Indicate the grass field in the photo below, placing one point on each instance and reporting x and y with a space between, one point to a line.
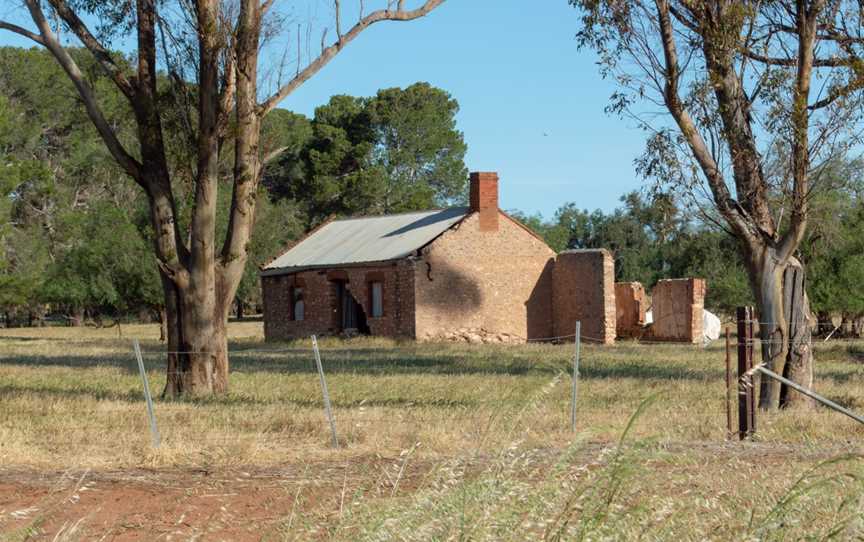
437 441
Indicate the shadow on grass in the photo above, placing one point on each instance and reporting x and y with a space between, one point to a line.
16 339
384 361
9 391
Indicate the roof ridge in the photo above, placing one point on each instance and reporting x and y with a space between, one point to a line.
463 208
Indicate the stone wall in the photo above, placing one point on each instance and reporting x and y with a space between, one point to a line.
630 304
676 308
321 303
490 283
584 290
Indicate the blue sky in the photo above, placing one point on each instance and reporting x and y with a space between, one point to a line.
531 103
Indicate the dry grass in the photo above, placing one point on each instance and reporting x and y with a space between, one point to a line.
488 425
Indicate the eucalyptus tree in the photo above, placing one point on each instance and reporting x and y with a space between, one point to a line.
211 50
745 102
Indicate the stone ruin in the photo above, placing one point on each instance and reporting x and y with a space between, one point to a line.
631 303
480 335
584 291
677 307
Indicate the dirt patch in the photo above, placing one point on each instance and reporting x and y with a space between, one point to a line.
189 504
293 501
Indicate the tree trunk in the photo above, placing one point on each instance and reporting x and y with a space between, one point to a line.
197 344
858 326
786 349
77 318
239 309
163 325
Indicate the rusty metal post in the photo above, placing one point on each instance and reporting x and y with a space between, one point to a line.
751 397
728 388
745 363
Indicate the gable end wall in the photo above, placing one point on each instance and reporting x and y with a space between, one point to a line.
486 282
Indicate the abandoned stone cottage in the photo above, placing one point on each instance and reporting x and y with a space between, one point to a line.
473 273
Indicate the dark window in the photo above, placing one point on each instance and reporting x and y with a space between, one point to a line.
298 303
376 294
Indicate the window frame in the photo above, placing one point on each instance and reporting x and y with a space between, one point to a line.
297 286
372 282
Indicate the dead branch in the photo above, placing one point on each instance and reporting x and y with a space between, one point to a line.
327 54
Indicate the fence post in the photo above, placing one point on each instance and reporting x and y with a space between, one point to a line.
154 430
327 409
578 345
746 403
728 387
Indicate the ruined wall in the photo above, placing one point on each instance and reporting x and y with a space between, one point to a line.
676 309
481 281
584 290
630 304
320 295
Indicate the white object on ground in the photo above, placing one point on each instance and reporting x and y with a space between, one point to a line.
710 326
649 317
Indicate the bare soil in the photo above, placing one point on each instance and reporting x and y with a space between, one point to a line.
275 503
176 504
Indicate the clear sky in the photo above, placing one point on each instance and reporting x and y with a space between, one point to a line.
531 103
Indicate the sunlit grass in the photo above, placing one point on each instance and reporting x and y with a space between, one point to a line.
489 424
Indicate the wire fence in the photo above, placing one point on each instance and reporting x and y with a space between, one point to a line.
347 416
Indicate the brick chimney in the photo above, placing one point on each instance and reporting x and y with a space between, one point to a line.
484 198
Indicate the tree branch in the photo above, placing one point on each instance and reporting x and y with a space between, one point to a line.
126 161
793 62
806 24
327 54
103 57
23 32
730 210
272 155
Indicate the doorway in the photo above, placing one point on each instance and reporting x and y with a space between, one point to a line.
350 316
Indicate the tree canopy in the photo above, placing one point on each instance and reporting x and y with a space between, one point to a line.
396 151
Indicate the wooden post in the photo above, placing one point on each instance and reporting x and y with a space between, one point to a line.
746 403
728 387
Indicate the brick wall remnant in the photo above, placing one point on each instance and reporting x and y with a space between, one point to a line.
677 306
630 304
584 290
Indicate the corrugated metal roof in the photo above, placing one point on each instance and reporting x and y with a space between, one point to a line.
367 239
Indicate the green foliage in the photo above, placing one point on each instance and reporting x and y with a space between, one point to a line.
396 151
67 234
107 265
833 248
